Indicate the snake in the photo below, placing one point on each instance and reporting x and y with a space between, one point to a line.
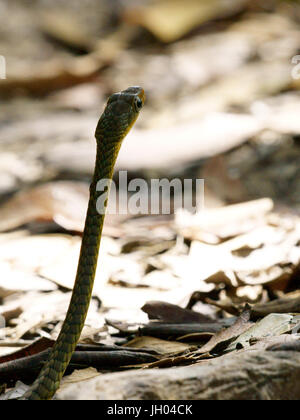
120 114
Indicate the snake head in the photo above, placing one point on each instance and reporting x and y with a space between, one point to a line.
121 112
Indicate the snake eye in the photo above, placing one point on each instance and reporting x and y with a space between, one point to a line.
138 103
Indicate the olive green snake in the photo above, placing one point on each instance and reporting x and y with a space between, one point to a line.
119 116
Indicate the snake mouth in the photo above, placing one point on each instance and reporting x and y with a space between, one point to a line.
142 95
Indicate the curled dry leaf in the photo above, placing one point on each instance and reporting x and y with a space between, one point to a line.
166 312
160 346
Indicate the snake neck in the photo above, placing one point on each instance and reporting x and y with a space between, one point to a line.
50 376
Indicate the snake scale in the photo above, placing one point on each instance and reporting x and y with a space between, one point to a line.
119 116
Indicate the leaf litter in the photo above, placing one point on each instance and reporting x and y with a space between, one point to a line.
170 289
179 336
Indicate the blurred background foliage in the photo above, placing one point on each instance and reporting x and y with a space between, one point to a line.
222 102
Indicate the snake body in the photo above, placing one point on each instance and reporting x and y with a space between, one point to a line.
119 116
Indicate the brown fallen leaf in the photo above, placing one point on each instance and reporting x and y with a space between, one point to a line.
222 338
36 347
160 346
169 20
164 330
166 312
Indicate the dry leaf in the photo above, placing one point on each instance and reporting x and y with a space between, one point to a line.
160 346
271 325
166 312
171 19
